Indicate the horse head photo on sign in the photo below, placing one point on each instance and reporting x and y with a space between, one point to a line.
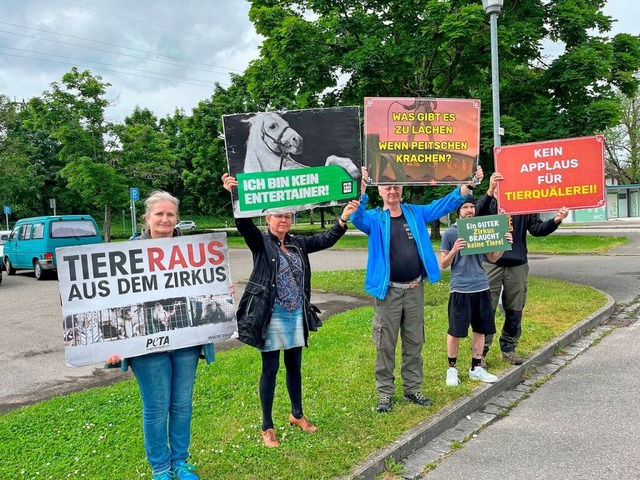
294 140
271 143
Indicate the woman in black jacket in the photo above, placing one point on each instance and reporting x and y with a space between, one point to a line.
274 313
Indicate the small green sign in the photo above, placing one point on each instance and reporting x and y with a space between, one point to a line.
300 186
484 234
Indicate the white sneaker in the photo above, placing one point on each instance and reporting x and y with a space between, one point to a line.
481 374
452 377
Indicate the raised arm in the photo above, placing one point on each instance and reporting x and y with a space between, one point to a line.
349 208
477 178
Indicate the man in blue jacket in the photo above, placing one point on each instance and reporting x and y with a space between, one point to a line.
400 259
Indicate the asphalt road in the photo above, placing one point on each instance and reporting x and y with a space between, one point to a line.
31 347
32 352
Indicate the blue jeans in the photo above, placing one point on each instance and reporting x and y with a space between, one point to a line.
166 387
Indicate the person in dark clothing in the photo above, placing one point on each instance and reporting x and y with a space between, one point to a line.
509 274
274 312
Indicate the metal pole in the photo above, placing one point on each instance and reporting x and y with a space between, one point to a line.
132 206
495 80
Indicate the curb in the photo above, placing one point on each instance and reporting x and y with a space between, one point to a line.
450 415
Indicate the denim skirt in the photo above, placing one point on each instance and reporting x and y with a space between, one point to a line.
285 330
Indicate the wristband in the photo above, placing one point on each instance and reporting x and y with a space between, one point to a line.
471 187
343 220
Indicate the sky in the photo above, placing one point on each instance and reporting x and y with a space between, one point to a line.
159 54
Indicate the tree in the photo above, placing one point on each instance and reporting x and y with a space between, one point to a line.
622 143
29 158
73 114
326 52
202 147
322 52
144 157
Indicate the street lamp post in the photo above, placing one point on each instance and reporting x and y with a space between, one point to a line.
492 8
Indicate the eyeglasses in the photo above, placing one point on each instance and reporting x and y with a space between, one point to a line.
280 217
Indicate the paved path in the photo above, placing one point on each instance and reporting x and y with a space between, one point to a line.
581 424
32 353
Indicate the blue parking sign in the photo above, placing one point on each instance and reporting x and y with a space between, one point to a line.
7 210
135 193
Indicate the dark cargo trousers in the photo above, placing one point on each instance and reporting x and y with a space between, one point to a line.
512 282
402 311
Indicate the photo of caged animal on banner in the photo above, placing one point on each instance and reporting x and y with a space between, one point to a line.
134 298
292 161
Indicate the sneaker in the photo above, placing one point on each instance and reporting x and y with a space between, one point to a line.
163 476
384 404
452 377
481 374
513 358
184 471
418 399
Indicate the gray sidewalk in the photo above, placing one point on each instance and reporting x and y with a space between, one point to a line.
581 423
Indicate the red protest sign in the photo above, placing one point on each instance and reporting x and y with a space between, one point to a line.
545 176
426 141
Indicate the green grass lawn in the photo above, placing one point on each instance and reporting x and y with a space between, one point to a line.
553 244
97 434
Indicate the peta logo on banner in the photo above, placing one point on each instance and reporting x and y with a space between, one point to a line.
157 342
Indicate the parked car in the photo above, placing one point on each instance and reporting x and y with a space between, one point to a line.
33 241
186 225
4 236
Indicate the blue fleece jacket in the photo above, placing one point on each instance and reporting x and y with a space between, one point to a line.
376 223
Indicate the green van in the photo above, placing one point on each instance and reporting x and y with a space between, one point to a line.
33 241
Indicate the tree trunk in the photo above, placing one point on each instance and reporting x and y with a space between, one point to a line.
322 224
311 216
435 230
106 233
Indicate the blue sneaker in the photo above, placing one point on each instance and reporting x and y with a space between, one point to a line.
184 471
163 476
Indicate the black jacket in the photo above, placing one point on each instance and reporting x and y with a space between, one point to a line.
256 306
520 225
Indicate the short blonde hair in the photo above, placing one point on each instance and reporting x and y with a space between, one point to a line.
159 196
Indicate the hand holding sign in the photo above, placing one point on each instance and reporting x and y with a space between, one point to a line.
229 182
562 214
493 183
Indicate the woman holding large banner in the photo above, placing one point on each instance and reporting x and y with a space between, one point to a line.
275 312
166 378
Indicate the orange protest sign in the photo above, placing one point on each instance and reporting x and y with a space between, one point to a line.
545 176
421 140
